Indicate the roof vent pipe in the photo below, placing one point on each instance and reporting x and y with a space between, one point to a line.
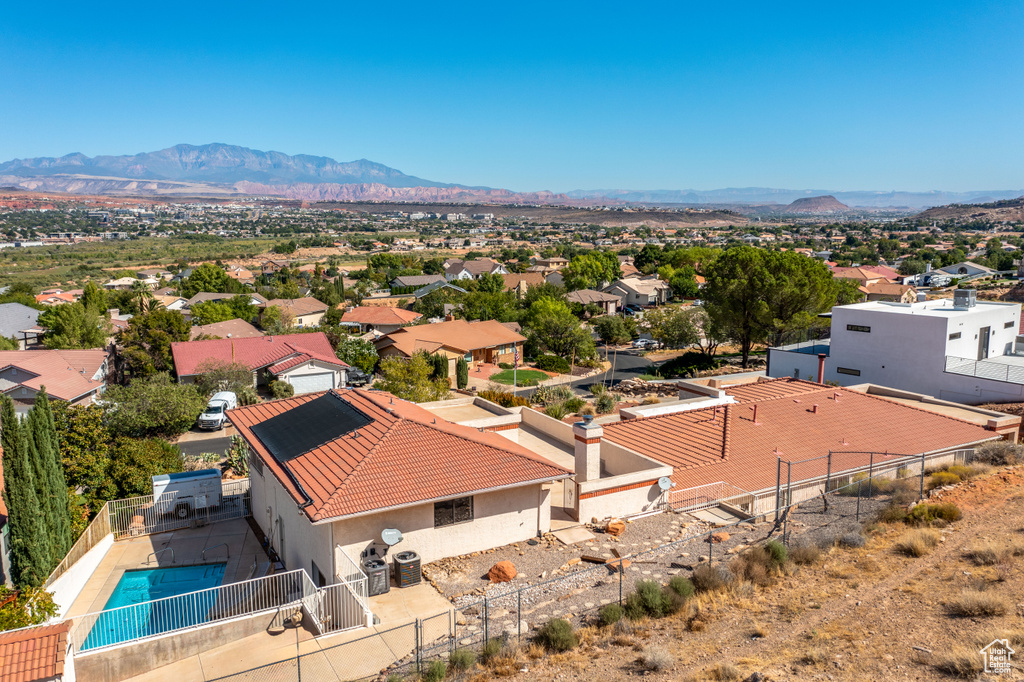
814 409
821 368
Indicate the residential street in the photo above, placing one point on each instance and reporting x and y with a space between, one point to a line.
629 364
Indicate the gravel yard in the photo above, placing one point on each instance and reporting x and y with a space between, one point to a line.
553 580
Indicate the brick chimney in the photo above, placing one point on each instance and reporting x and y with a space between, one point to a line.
587 437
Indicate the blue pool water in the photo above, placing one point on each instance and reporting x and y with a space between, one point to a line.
141 617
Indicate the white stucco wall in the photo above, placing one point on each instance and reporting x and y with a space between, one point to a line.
67 587
499 518
619 504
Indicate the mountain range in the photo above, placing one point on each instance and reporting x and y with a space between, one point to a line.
230 170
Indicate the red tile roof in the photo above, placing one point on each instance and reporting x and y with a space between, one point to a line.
67 374
380 315
405 455
724 444
33 653
459 335
254 353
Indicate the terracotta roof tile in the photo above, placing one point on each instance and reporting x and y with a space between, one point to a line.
380 315
724 444
299 306
254 353
67 374
33 653
458 335
405 455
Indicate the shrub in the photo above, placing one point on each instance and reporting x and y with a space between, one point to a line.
587 410
998 453
247 396
435 671
598 389
557 635
552 363
960 662
777 552
804 554
726 672
505 398
605 403
610 614
923 514
681 586
894 513
977 604
962 472
574 404
917 543
985 556
556 410
281 389
491 649
688 363
506 365
461 659
461 373
647 600
852 540
650 400
552 394
754 566
942 478
656 658
707 578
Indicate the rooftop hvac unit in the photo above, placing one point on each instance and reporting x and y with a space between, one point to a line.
407 569
378 577
965 298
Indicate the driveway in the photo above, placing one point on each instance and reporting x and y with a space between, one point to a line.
197 442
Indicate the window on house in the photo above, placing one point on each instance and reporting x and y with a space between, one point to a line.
858 328
846 370
1007 325
450 512
954 336
469 356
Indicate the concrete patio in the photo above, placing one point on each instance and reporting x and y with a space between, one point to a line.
176 548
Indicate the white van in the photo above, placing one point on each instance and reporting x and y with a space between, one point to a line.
214 417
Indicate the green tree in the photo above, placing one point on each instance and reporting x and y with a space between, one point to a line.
217 375
409 379
134 462
672 326
551 326
29 547
590 270
25 606
461 373
490 283
153 406
753 294
51 487
612 330
146 343
209 312
84 443
357 353
911 266
94 297
72 325
439 366
276 321
206 277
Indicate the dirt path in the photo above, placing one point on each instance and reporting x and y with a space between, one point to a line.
857 614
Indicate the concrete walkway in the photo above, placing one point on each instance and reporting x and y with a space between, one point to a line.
344 656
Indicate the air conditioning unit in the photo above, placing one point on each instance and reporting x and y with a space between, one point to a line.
378 577
965 298
407 569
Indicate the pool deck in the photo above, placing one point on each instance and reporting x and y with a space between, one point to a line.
187 546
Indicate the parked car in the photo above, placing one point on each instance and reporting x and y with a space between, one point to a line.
214 417
357 377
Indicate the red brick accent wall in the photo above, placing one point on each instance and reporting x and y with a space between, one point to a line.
619 489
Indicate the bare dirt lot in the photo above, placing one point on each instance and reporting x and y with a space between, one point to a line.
869 613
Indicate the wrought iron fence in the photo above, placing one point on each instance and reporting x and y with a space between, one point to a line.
709 495
143 516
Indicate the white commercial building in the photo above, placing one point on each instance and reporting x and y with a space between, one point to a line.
961 350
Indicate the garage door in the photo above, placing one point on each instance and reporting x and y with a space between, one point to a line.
308 383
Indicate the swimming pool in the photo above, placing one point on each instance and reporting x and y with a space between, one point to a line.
137 613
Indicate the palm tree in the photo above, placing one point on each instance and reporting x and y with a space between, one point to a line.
143 296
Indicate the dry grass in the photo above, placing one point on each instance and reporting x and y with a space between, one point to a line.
959 662
977 604
726 672
987 555
917 543
813 656
656 658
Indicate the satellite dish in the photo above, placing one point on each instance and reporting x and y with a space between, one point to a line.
391 536
665 483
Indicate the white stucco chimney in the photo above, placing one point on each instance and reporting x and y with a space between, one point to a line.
587 436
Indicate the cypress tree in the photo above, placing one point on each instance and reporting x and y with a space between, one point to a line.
29 546
55 503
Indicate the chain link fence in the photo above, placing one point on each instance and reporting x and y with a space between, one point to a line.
820 509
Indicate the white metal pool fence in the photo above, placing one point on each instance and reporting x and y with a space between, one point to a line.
142 515
332 608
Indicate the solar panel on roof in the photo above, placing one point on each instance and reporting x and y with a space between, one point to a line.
309 426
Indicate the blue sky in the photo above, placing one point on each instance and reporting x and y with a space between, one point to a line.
559 96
